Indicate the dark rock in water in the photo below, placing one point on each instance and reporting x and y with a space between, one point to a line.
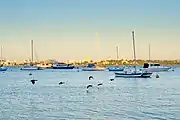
91 77
33 81
30 73
61 83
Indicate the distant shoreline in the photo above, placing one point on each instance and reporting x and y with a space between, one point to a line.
102 62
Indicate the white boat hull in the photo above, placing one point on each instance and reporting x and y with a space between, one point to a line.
133 75
93 69
31 68
162 69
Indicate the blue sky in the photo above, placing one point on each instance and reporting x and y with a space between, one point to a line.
74 29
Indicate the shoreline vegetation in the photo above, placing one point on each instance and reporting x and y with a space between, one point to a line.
101 63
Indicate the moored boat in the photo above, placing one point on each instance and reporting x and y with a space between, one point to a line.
62 66
92 67
3 68
30 67
115 68
135 73
155 67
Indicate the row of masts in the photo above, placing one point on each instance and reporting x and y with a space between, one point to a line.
117 50
32 52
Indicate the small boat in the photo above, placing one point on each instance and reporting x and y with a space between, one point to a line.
3 68
155 67
92 67
115 68
30 67
62 66
134 74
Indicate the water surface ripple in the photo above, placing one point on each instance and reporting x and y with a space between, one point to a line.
121 99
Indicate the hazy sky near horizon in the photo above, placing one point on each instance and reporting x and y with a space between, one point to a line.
74 29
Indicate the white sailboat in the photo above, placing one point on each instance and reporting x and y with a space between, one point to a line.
116 67
135 73
154 67
31 66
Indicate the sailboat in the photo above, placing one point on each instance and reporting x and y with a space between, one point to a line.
116 67
2 67
31 66
154 67
134 74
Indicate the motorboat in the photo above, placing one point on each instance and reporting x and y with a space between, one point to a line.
155 67
62 66
92 67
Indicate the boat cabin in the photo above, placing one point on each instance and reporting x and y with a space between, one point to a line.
63 64
90 65
147 65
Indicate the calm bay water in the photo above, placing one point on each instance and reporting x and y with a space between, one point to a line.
131 99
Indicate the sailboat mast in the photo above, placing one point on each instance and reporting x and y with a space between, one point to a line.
1 53
149 52
117 52
31 50
134 49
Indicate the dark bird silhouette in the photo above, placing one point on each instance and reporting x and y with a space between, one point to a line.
61 83
33 81
89 86
157 76
99 84
91 77
111 79
30 73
